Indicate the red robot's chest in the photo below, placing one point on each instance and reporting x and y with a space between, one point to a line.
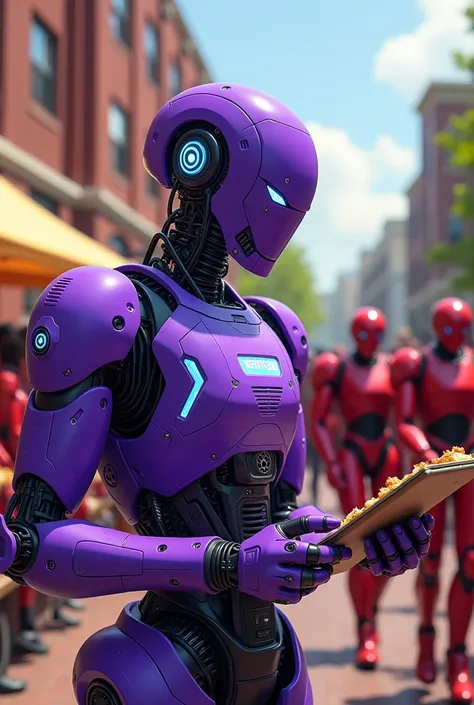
365 390
447 388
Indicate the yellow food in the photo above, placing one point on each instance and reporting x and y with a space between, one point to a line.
455 455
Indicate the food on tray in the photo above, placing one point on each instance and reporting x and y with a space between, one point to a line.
455 455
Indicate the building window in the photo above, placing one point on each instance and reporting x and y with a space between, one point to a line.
174 78
119 244
455 230
49 203
119 19
151 46
153 188
118 129
43 59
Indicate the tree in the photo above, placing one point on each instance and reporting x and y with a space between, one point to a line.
291 281
458 140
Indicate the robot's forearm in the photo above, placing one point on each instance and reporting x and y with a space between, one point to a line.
76 559
413 437
324 444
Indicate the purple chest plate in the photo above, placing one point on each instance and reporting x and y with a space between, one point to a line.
229 388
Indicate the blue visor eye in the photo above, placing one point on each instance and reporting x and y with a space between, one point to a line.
193 158
276 197
448 330
363 335
379 336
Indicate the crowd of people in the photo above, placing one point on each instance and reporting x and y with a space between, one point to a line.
23 636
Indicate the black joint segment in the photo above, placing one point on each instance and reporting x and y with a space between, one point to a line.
337 555
409 551
325 524
307 578
27 540
423 542
372 561
221 565
313 553
393 557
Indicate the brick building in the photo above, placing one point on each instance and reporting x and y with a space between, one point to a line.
430 199
80 81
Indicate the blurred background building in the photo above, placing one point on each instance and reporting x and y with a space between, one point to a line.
79 84
395 275
383 279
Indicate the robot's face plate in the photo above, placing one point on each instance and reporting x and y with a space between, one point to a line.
452 322
271 170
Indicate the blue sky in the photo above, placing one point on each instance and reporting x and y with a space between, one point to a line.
330 62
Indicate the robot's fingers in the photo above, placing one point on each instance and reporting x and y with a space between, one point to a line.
308 524
373 561
405 545
390 554
421 535
428 521
327 554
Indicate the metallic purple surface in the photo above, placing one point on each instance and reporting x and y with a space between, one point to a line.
78 309
8 546
114 652
108 562
263 136
295 464
64 447
227 417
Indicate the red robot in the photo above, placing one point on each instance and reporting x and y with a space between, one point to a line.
361 385
435 387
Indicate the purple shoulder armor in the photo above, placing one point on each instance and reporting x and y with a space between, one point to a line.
85 319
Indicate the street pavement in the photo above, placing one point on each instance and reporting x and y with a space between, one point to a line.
325 625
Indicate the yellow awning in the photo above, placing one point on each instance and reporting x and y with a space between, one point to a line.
37 246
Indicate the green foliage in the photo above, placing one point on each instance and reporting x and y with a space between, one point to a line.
458 140
291 281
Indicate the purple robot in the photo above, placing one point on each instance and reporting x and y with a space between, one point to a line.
164 378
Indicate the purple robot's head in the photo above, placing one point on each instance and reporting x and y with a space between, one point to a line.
288 327
252 156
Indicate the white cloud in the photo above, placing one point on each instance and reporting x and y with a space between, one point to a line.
409 61
349 211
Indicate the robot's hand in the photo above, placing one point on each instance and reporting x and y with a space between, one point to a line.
313 512
8 546
399 548
273 565
428 455
336 477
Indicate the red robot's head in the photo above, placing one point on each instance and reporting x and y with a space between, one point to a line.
452 320
368 328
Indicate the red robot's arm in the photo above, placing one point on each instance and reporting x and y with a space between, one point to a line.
406 371
325 378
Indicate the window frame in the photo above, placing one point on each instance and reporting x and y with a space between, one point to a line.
120 24
152 64
175 64
43 87
114 146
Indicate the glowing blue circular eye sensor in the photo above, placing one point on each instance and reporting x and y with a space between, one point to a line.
197 158
193 158
448 330
40 341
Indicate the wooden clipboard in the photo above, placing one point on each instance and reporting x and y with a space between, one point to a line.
413 497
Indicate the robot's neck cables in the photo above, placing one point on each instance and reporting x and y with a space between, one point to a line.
193 250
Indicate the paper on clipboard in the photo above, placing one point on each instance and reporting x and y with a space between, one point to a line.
413 497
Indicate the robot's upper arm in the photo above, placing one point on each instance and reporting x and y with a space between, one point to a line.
326 370
83 321
406 366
